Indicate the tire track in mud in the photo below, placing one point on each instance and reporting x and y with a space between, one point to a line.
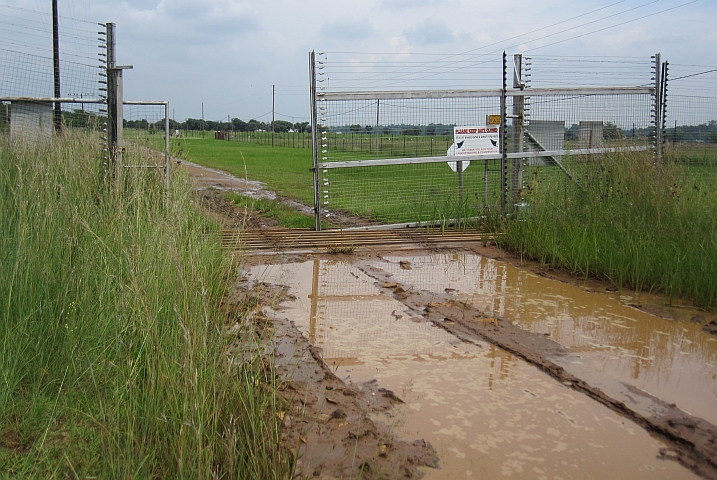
692 441
329 426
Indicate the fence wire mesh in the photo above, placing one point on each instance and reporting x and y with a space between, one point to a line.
144 134
691 117
26 61
383 154
407 193
595 71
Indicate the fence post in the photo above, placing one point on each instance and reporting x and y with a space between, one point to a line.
516 167
378 107
56 65
663 109
657 116
111 97
115 114
166 146
315 141
503 138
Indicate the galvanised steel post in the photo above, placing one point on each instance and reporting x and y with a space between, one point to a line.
658 107
111 95
56 65
516 164
503 138
166 147
315 141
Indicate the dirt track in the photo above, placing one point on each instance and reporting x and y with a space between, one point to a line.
329 425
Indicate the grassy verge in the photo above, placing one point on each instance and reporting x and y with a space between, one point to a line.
113 348
284 170
635 223
401 193
285 216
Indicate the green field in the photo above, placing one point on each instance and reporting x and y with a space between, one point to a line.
392 193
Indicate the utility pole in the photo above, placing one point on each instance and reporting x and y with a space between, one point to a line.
56 64
272 116
202 119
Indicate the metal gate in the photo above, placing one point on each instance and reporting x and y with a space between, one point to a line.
386 155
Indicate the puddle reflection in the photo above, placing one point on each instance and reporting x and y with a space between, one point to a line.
487 412
673 360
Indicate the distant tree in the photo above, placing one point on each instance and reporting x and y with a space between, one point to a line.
611 132
193 124
238 125
254 125
355 128
431 130
302 127
139 124
76 118
282 126
369 129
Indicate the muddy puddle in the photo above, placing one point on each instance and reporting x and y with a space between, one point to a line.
487 412
671 359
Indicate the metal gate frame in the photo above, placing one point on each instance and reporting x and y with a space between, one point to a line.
511 163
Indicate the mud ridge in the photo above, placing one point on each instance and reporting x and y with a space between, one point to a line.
326 423
692 441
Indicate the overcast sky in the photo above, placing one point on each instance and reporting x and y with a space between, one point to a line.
228 53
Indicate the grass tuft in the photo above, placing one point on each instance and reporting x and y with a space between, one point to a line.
636 223
113 343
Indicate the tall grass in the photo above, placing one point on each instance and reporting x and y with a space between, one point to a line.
637 223
113 347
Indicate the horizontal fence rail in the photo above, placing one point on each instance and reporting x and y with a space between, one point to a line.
440 94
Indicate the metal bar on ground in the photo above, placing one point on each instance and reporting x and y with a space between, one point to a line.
291 240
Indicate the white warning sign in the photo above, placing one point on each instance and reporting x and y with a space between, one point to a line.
476 140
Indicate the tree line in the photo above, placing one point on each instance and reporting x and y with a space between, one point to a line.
702 133
235 125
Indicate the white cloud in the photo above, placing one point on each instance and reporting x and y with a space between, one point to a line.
433 31
228 53
405 4
348 29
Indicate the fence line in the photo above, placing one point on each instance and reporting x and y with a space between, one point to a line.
547 129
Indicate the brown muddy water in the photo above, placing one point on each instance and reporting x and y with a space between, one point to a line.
487 412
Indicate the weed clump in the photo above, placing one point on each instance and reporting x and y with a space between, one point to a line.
628 219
